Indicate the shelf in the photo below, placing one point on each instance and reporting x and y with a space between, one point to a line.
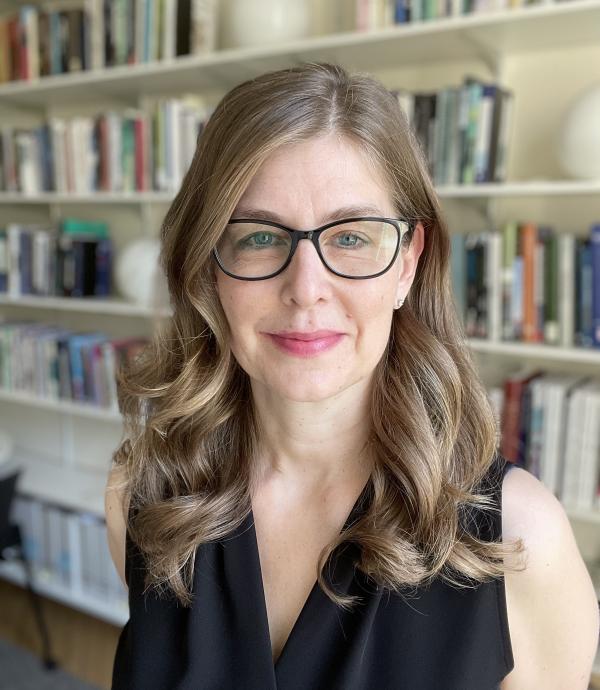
81 409
482 36
487 190
574 355
70 487
125 198
94 305
116 613
523 188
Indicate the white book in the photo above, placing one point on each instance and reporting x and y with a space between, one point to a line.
505 128
114 129
38 533
173 139
75 561
482 141
63 558
139 30
566 280
588 478
95 13
54 541
205 15
28 165
573 447
13 234
57 127
169 30
493 275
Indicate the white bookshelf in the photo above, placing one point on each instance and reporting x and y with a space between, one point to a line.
481 36
488 38
77 408
495 190
97 305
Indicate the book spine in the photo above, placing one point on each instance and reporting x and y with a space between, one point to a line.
595 260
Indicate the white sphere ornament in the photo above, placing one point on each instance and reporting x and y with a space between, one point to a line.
138 276
258 22
579 136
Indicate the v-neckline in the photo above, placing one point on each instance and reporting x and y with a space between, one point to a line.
311 594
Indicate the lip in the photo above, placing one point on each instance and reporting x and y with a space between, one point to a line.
306 335
310 346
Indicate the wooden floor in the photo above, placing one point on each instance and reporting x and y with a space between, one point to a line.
82 645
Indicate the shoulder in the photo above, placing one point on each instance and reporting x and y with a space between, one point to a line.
116 508
551 604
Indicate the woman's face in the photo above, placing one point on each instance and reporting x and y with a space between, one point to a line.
304 184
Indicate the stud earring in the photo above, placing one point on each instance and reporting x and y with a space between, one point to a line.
399 303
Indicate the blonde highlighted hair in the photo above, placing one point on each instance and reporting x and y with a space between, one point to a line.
190 427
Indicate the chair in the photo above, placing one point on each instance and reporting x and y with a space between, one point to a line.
10 536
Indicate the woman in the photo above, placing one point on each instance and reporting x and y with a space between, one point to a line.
310 476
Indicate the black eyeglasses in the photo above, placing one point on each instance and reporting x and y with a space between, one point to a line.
356 248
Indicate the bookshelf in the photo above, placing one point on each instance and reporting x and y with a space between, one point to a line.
513 46
484 36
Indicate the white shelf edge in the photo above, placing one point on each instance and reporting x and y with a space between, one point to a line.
86 602
70 407
483 190
576 355
95 305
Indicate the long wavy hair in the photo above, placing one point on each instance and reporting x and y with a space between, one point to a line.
191 430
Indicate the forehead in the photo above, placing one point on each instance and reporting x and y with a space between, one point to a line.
317 175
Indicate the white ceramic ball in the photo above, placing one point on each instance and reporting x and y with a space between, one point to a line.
579 137
137 271
256 23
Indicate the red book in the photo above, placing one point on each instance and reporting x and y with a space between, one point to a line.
510 422
529 235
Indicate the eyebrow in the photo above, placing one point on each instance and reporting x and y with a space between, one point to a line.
338 214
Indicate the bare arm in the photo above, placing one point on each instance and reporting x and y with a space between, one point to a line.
552 606
116 505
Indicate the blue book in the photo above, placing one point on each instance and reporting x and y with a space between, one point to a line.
458 272
595 261
81 386
583 301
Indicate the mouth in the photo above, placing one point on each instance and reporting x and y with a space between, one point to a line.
305 344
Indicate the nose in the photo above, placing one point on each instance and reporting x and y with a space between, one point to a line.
306 279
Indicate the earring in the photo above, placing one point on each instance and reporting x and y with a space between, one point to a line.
399 303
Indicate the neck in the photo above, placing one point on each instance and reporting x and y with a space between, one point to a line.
313 444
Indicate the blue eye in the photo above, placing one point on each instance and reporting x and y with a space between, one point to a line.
259 239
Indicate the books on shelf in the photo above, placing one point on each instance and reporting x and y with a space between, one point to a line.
55 363
464 130
550 425
73 260
71 37
131 150
377 14
68 548
528 283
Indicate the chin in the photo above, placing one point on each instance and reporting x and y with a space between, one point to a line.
305 388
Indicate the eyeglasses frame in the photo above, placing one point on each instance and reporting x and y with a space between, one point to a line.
313 236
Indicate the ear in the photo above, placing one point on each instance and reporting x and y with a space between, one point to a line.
410 259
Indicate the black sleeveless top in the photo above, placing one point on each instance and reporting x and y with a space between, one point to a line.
441 637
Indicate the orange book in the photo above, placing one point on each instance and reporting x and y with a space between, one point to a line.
529 243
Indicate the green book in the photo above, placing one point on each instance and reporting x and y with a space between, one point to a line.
75 226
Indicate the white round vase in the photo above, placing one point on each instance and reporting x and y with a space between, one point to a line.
578 148
257 22
137 271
